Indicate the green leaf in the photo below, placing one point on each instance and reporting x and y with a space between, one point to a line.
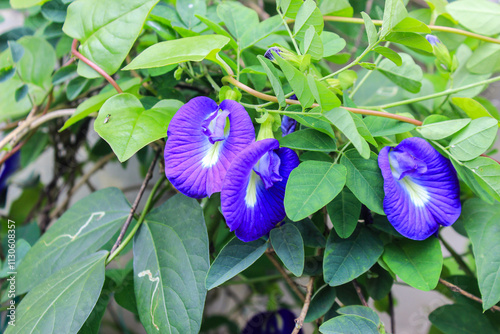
272 74
94 103
474 139
389 54
332 43
187 9
482 221
379 283
76 86
311 236
472 108
16 50
394 12
260 31
19 4
54 10
83 229
407 76
371 30
486 172
346 259
290 8
364 179
297 80
363 129
485 59
64 74
463 77
442 130
417 263
93 322
7 73
108 34
21 93
62 303
177 51
336 8
308 15
361 311
289 246
311 186
382 127
38 61
325 97
308 139
461 319
315 123
235 257
321 302
410 24
237 18
218 30
352 324
480 16
312 44
344 213
171 260
127 127
343 120
410 39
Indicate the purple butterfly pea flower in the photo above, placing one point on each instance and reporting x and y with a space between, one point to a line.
421 188
8 168
254 189
432 39
288 125
270 323
202 143
269 55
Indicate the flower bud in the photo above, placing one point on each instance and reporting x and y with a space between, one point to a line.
442 54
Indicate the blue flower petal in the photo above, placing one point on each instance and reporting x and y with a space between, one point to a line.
288 124
250 209
269 323
421 188
200 148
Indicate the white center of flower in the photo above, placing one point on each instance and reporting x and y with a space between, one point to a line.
418 194
251 193
212 155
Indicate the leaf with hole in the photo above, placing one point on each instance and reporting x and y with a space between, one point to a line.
130 127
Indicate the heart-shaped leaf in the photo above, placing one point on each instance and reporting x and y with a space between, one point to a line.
127 126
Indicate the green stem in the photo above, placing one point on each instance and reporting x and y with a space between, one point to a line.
139 222
282 112
341 152
354 62
368 73
457 257
432 27
290 33
238 68
433 96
